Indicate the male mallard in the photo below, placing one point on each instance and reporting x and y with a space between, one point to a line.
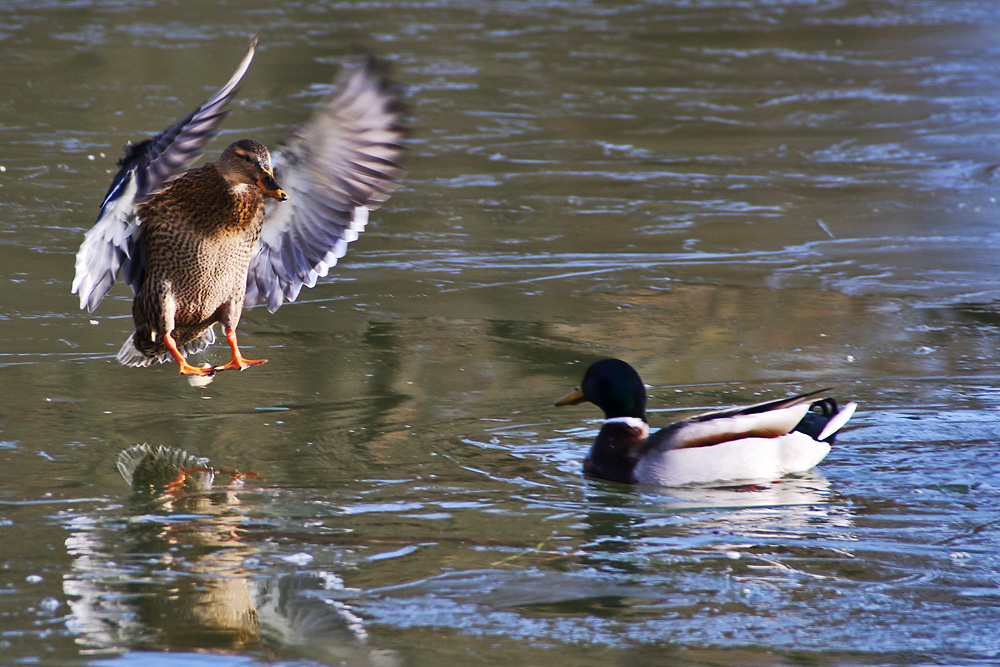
198 246
763 441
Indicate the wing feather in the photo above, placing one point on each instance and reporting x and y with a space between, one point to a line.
343 162
770 424
769 419
146 167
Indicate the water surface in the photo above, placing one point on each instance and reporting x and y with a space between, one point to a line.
741 199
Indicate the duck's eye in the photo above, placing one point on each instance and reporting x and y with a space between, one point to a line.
246 158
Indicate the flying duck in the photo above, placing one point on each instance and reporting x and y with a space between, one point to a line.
197 246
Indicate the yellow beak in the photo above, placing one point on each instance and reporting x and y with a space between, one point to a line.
572 398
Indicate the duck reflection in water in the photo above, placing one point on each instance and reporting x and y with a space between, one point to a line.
177 573
764 526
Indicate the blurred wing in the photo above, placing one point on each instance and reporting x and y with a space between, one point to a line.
341 164
146 167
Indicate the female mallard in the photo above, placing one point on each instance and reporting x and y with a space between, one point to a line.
763 441
198 246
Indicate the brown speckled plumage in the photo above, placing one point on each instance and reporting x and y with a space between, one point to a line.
197 236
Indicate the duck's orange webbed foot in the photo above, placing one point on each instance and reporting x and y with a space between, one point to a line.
239 362
186 369
208 370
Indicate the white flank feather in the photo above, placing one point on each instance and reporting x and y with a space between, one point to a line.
746 459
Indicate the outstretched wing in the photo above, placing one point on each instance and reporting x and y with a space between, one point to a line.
146 167
341 164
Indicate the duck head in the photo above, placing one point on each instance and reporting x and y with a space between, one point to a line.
614 387
248 162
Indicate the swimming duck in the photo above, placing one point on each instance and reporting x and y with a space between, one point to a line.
757 442
198 245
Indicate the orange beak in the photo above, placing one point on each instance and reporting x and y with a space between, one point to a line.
271 187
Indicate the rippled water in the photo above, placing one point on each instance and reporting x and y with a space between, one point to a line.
743 199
